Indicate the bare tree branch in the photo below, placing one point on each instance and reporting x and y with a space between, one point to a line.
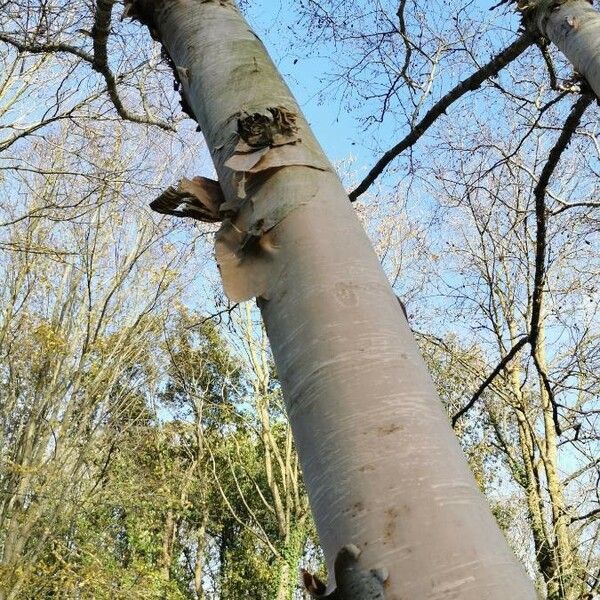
589 515
100 33
567 132
36 48
473 82
98 61
542 44
567 206
499 368
405 40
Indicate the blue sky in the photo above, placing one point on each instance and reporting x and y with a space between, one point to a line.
334 127
339 129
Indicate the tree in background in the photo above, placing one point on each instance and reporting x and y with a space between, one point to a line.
81 304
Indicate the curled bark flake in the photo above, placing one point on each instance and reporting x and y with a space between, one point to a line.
182 78
246 162
402 307
276 157
260 132
312 584
352 582
199 198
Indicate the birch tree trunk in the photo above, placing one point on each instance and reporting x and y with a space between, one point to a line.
382 466
574 27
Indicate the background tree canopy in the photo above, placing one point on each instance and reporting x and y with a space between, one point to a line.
144 450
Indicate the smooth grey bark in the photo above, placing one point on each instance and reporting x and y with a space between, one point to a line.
383 469
574 27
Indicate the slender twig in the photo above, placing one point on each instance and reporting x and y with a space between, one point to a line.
471 83
530 131
218 315
35 48
567 206
591 514
98 60
581 471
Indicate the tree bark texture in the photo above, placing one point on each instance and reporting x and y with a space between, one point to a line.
383 469
574 27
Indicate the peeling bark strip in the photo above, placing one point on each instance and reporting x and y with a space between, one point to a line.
250 138
269 140
385 475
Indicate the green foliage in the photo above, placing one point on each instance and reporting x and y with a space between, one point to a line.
172 483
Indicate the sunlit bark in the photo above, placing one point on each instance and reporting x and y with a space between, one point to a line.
382 467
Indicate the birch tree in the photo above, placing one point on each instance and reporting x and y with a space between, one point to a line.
392 496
